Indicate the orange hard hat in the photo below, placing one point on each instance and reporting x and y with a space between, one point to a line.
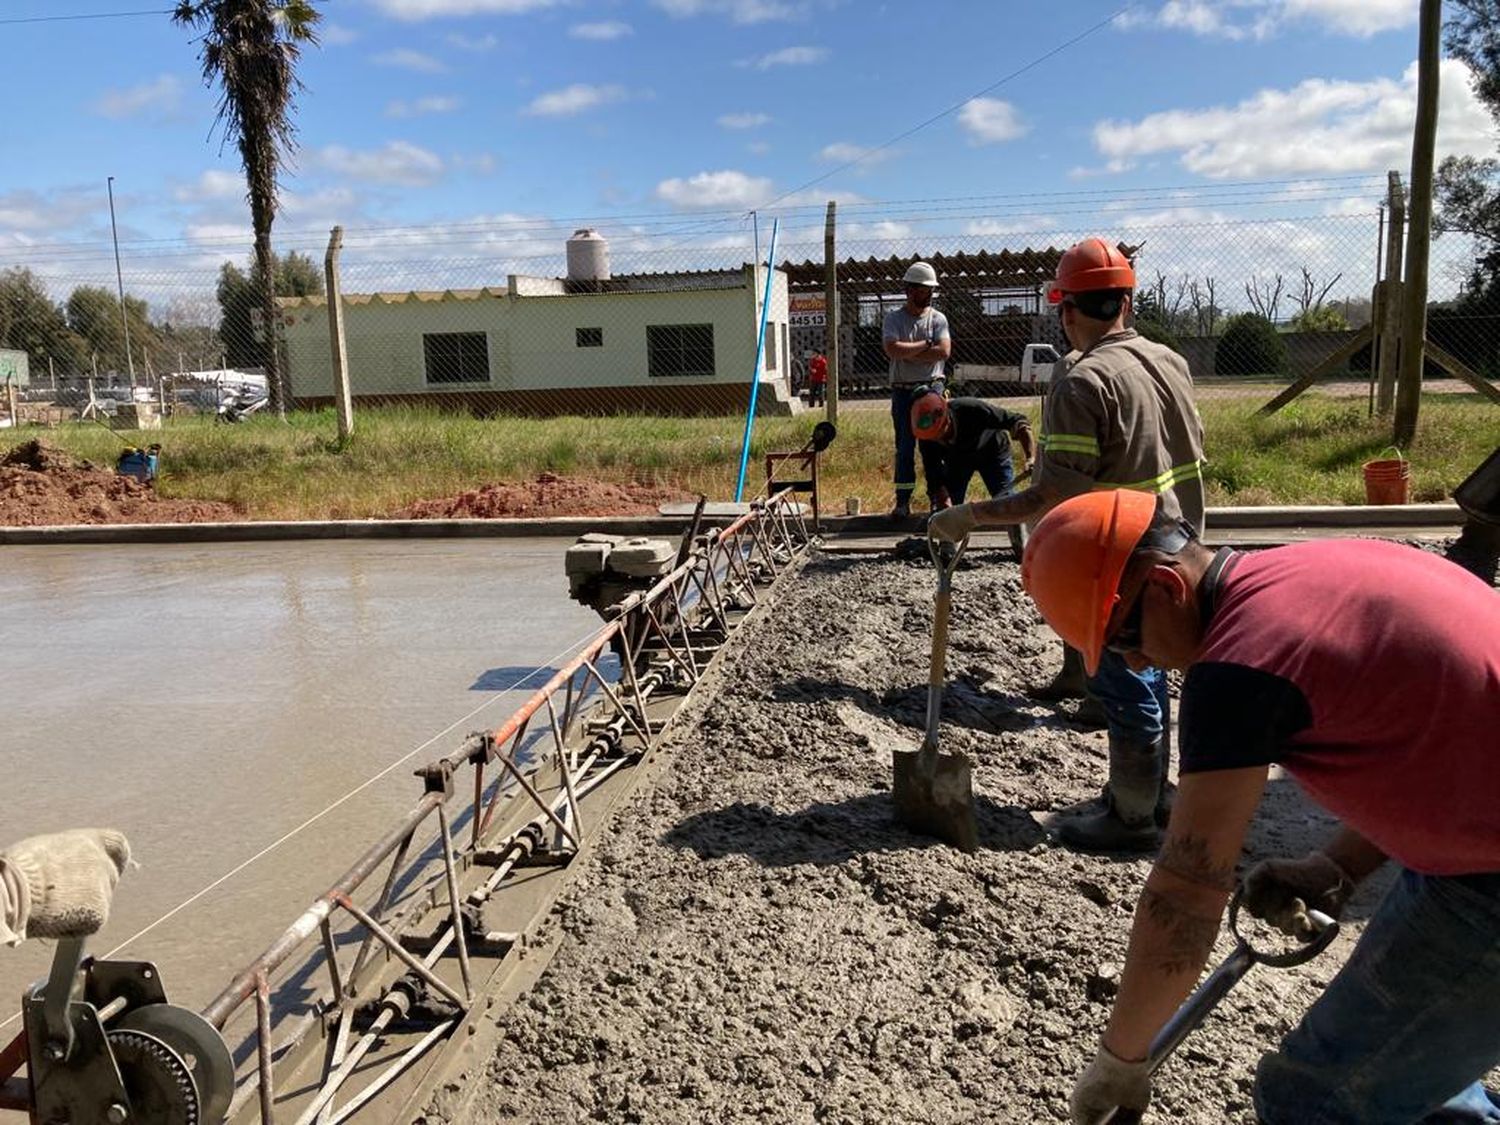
1075 559
1092 264
929 417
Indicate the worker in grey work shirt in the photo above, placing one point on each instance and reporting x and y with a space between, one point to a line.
915 338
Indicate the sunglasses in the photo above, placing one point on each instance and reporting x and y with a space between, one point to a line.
1127 638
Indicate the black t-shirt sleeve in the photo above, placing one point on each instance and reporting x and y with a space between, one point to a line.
1233 716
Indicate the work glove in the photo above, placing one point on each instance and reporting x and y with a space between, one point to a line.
952 524
60 885
1282 891
1109 1083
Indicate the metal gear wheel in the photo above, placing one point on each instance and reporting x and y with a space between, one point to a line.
159 1083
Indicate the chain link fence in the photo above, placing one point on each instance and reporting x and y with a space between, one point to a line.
662 316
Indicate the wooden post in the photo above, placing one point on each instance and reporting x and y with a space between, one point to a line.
343 403
1419 229
13 401
1389 356
831 314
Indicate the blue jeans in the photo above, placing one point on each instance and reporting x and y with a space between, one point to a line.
906 442
1136 704
1412 1017
998 476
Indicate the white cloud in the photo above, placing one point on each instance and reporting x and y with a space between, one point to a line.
759 148
715 190
744 120
994 228
215 183
422 107
395 162
405 58
160 96
575 99
603 31
26 214
413 10
846 152
738 11
475 43
1254 20
1320 126
336 35
989 121
789 56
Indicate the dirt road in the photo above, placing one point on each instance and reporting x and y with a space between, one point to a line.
756 941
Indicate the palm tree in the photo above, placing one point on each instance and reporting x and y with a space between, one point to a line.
250 49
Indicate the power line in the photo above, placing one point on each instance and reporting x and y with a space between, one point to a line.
87 16
1033 64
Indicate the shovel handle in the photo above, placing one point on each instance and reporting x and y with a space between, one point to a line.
945 557
1216 986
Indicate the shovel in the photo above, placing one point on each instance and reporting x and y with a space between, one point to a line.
1216 986
934 792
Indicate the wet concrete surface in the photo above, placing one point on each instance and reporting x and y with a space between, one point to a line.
210 699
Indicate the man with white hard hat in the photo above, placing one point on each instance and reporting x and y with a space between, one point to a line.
915 338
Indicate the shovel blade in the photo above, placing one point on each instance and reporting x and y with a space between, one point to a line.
934 795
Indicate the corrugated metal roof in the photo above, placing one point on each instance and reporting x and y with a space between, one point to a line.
1000 269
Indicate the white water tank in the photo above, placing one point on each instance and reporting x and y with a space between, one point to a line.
588 256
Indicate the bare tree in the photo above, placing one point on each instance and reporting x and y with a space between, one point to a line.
1311 298
1203 297
1265 296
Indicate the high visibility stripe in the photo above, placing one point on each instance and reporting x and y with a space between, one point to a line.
1071 443
1190 470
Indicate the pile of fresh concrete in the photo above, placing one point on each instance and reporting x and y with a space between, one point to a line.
756 940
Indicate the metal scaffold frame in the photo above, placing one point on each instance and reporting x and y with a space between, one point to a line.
423 939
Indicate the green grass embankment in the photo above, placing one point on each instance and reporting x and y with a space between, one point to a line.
1309 453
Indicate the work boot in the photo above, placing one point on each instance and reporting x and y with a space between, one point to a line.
1069 683
1126 822
901 510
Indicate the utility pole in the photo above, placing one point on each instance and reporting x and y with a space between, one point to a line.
1419 228
831 314
120 279
343 402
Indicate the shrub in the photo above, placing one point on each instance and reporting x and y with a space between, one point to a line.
1157 332
1250 346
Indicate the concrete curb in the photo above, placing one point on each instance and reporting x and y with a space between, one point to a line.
1363 516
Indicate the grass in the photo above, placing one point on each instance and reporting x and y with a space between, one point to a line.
1309 453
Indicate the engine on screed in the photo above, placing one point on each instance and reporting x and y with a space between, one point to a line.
604 570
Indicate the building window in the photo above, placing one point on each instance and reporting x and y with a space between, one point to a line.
589 337
770 346
457 357
680 350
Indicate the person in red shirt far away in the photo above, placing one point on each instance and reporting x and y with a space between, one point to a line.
817 379
1369 672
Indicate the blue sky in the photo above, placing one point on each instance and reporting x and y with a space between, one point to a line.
673 118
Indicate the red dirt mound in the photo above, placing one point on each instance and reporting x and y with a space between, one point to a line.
547 495
42 485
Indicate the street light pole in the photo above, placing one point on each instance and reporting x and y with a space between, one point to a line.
120 280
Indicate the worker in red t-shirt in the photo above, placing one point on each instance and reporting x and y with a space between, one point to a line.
817 379
1370 672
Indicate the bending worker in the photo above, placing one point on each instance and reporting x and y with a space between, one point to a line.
1371 672
915 338
1122 416
59 885
964 436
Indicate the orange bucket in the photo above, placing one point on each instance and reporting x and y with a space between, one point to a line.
1388 481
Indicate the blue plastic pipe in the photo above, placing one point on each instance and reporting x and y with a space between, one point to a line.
760 350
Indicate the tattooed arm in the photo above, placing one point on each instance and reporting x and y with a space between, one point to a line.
1177 917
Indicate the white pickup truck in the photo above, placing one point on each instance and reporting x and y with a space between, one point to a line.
1035 373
